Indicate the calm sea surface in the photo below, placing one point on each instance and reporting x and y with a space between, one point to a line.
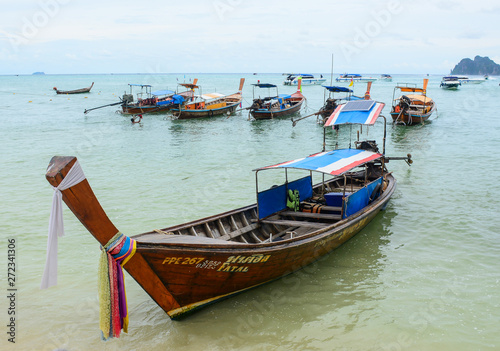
424 275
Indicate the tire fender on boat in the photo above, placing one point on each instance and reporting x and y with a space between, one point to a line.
375 192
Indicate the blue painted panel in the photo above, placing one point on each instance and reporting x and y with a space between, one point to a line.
273 200
360 199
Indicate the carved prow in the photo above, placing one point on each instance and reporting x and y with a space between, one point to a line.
82 201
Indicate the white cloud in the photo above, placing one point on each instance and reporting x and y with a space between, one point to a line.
260 36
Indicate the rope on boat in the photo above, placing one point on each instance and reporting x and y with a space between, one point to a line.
113 316
294 122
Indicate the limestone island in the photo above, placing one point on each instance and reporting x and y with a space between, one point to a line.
480 66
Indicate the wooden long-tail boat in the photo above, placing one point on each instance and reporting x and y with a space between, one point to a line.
413 108
277 105
209 105
332 102
187 266
76 91
156 101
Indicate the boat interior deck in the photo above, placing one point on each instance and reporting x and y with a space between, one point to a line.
244 226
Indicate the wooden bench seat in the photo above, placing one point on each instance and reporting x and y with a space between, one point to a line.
296 223
312 215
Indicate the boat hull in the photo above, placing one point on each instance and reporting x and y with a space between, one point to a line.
472 81
450 86
191 265
203 113
76 91
305 81
199 274
161 106
135 109
415 115
266 114
409 118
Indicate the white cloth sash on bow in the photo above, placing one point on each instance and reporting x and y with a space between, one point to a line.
56 225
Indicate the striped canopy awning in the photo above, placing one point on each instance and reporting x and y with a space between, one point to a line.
356 112
334 162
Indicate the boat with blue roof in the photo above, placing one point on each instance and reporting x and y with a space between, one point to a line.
471 80
336 97
386 77
307 79
353 77
450 83
325 199
332 102
275 105
154 101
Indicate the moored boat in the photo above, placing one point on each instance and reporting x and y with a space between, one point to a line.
414 106
332 102
209 105
188 266
350 77
276 105
156 101
307 79
468 80
76 91
450 83
386 77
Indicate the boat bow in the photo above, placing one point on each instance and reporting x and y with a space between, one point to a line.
84 204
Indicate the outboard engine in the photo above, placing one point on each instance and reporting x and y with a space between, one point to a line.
405 100
368 145
128 98
257 103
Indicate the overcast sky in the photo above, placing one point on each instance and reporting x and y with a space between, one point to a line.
233 36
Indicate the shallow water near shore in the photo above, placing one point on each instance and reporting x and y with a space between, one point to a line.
423 275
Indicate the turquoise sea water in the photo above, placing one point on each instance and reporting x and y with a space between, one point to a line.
424 275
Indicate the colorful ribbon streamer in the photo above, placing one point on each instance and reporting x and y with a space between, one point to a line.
112 298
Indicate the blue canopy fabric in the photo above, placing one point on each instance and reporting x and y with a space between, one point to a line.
361 198
356 112
175 100
273 200
335 89
265 85
334 162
